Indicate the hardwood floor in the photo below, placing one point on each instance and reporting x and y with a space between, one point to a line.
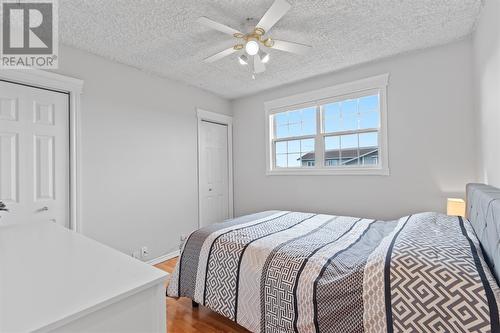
182 318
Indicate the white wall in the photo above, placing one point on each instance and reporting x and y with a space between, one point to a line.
487 82
432 144
139 159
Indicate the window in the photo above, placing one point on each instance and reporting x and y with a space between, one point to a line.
336 130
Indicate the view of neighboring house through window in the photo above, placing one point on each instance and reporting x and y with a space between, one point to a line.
343 132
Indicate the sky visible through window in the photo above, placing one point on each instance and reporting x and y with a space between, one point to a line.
296 123
352 114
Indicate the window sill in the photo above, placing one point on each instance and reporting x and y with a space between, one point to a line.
329 172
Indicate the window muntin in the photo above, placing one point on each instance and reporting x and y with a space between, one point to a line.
345 131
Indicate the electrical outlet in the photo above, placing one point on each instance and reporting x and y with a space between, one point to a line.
144 251
183 238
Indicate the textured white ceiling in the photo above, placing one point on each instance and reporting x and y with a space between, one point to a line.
163 37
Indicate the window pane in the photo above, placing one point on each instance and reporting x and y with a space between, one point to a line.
352 114
281 131
349 107
281 119
349 111
294 117
295 123
344 150
350 122
369 104
332 142
349 141
368 139
309 128
281 160
368 148
309 114
349 149
294 146
281 147
294 129
295 153
307 152
332 150
307 146
332 117
294 160
369 120
309 121
368 157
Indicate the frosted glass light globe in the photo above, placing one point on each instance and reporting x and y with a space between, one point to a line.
252 47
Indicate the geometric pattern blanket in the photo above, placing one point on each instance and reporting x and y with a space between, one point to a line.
302 272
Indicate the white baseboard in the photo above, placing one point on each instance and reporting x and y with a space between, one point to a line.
164 257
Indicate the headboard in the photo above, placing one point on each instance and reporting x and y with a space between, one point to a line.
483 211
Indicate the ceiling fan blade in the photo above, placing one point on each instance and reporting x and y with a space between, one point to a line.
217 26
273 14
220 55
258 65
291 47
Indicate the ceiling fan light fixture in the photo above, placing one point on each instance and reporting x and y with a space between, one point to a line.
256 41
252 47
243 60
264 57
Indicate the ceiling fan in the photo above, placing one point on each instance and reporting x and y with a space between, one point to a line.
251 42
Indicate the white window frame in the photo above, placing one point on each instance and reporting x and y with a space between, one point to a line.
324 96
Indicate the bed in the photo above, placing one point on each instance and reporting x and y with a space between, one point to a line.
280 271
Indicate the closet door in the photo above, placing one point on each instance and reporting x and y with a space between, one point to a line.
34 154
214 173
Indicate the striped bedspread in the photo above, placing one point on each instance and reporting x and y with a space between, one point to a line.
302 272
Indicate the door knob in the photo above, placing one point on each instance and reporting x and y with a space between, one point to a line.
44 209
209 190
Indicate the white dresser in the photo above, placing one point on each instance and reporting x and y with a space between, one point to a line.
55 280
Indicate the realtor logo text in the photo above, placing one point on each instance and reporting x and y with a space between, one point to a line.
29 34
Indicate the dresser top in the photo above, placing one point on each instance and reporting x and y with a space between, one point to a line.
50 275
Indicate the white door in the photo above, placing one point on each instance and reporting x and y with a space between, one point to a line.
214 173
34 154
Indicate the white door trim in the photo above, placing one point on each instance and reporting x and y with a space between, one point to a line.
218 118
73 87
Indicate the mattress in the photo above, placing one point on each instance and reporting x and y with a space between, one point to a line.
282 271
